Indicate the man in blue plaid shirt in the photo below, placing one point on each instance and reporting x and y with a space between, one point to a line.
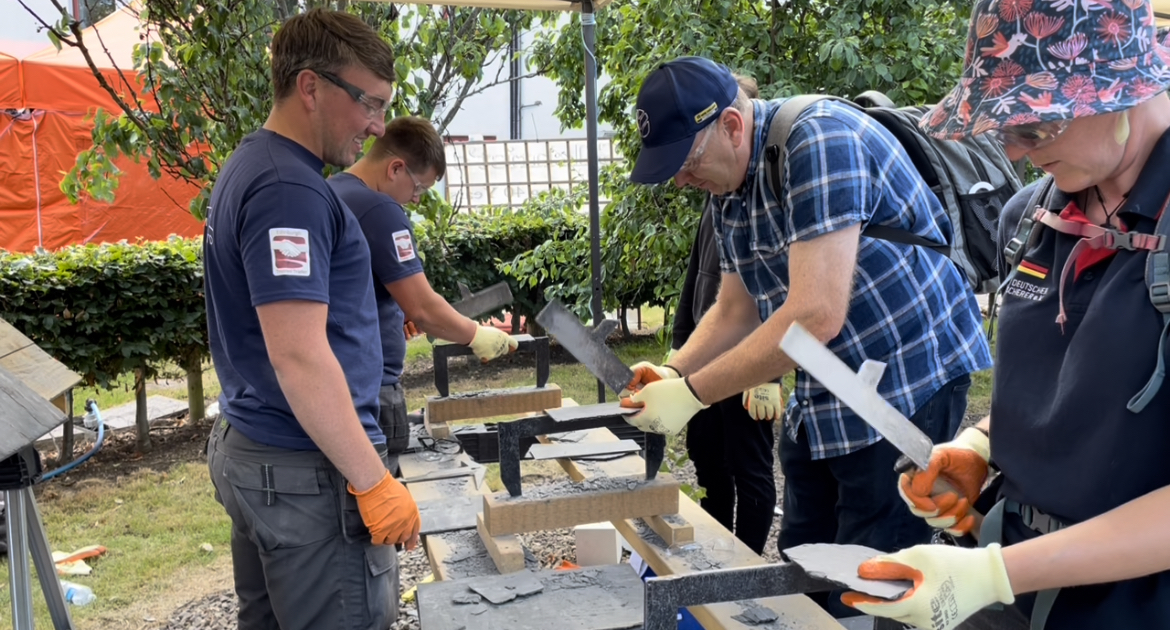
799 257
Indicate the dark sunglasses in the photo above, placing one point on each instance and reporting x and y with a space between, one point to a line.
1031 136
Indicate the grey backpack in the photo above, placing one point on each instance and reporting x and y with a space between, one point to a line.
972 179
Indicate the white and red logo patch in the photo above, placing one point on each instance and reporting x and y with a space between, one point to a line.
290 251
403 246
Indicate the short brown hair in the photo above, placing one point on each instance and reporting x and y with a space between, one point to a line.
326 40
416 141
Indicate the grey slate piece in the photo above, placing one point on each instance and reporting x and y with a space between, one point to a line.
838 564
593 598
446 515
601 410
588 449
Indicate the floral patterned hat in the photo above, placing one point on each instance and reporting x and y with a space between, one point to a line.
1032 61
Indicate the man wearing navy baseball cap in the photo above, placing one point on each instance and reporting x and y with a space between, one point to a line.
796 254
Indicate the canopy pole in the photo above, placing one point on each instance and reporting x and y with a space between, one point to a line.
588 26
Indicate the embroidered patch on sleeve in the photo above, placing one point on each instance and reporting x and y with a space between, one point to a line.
290 251
403 245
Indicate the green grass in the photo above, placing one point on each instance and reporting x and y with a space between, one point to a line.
153 526
121 391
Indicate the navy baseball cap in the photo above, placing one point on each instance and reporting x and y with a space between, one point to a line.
675 103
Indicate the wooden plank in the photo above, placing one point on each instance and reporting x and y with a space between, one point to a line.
42 373
672 528
11 339
490 403
591 598
457 555
25 414
566 504
793 611
557 450
506 551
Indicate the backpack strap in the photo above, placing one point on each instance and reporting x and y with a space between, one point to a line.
1027 233
874 98
1158 284
775 146
776 152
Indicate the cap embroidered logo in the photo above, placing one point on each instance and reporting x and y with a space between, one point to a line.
706 113
643 123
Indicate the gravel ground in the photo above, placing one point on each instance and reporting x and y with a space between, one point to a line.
218 611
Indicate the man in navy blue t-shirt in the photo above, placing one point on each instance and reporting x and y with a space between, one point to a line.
290 306
400 166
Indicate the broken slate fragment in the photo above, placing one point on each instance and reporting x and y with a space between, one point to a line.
838 564
495 594
754 614
527 587
467 598
478 609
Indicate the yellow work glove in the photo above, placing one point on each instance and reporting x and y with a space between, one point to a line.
667 404
389 512
764 402
944 493
645 372
490 343
950 584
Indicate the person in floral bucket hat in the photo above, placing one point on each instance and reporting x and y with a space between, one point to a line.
1075 532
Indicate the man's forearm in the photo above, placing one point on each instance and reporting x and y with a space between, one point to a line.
318 394
438 318
758 358
720 329
1125 543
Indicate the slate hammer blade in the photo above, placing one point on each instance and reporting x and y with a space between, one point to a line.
490 299
585 345
858 392
588 347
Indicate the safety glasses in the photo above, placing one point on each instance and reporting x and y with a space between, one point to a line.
1031 136
374 105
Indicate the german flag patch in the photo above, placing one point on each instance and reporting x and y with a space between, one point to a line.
1034 270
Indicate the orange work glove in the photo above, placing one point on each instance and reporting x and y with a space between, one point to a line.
409 330
944 492
389 512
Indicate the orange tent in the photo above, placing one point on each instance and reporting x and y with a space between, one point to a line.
49 98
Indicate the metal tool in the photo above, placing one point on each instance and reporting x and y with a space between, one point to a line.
588 347
858 391
511 432
441 353
466 470
472 305
665 595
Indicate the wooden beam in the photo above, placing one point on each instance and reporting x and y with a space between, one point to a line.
797 611
506 551
569 504
672 528
490 403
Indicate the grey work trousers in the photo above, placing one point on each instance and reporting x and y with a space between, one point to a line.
392 419
301 554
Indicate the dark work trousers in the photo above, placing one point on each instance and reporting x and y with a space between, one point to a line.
301 554
853 499
733 461
392 419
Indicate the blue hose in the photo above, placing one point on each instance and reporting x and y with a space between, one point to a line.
90 408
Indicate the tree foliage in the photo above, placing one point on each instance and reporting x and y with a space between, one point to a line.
205 68
910 49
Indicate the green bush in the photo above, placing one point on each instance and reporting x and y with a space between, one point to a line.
109 309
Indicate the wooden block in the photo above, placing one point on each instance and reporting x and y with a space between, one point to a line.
438 431
672 528
565 504
506 551
492 402
33 366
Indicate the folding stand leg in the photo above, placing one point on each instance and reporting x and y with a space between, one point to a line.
26 532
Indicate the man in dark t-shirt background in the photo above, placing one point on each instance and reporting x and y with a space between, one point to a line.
298 458
400 166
